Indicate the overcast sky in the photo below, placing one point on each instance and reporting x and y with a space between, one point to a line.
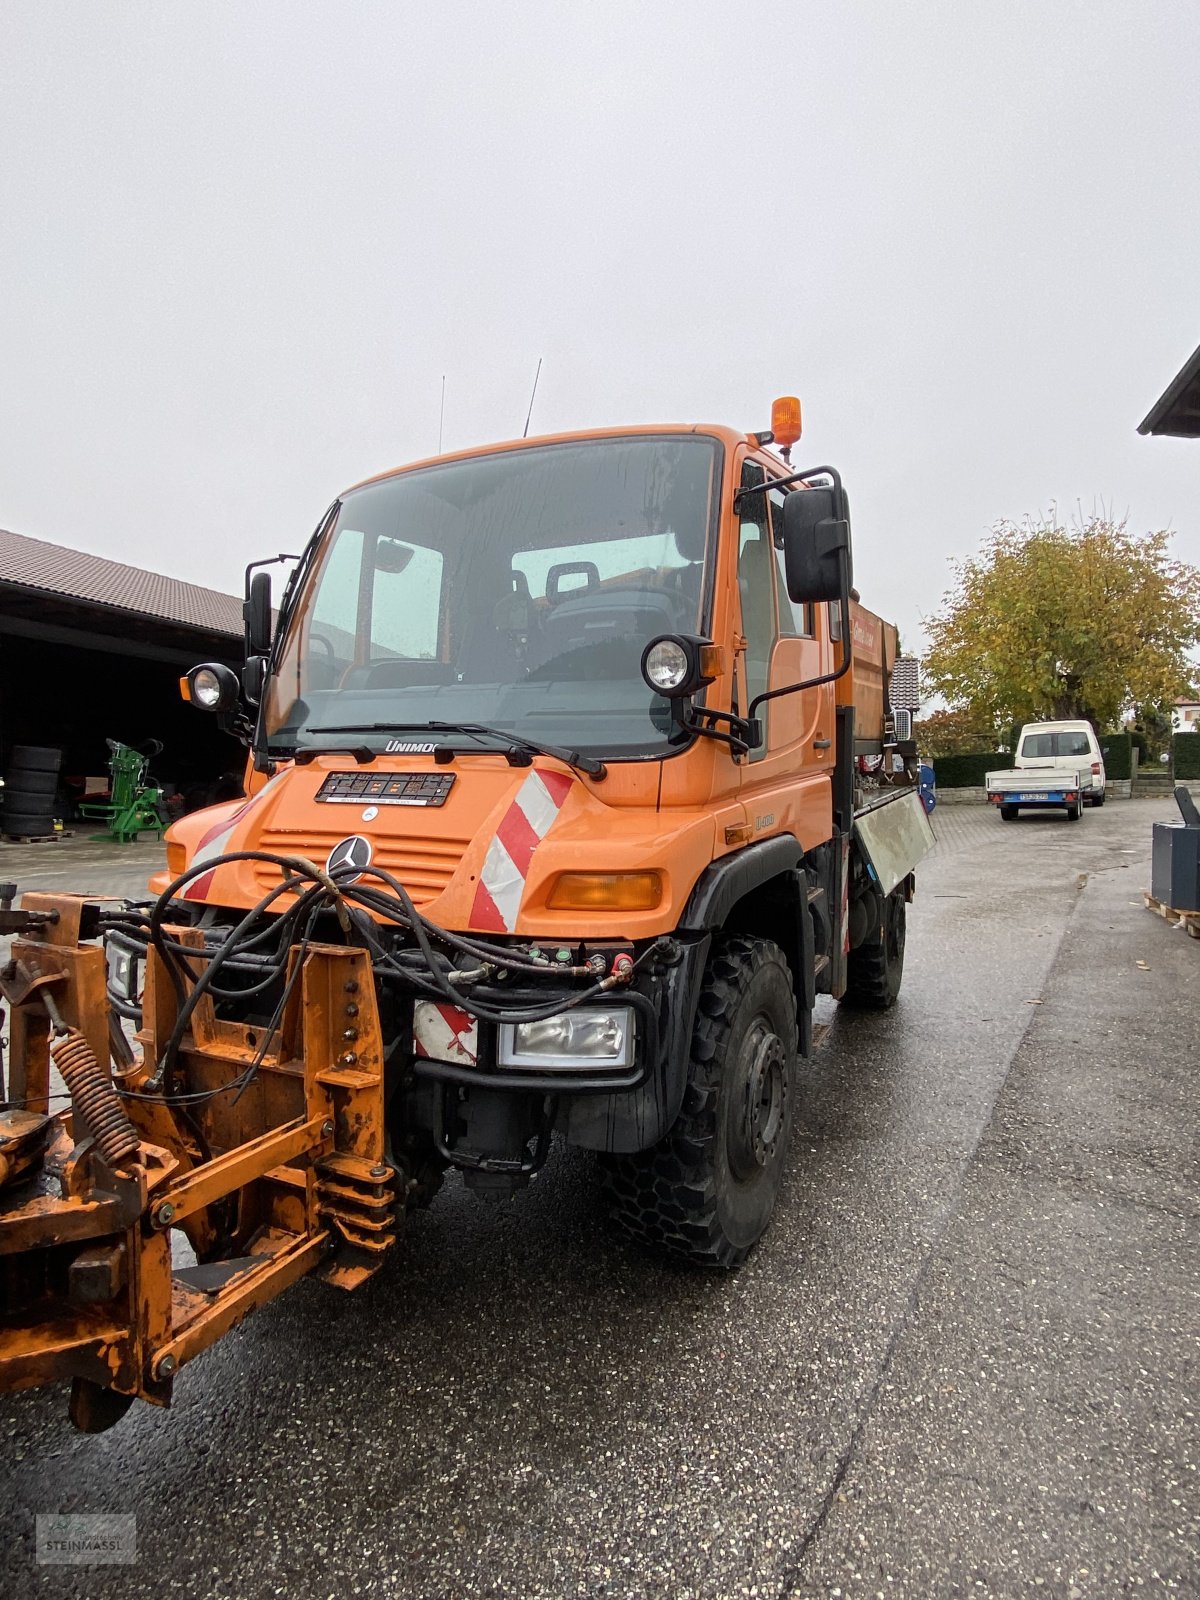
241 243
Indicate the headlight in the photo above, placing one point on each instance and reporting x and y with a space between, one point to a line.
206 689
124 974
212 687
678 664
575 1039
666 666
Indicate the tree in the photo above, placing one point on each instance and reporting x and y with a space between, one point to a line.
1050 622
955 732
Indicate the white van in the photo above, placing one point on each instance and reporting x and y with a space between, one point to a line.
1057 744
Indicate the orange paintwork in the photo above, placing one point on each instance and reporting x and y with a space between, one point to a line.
303 1150
673 816
876 644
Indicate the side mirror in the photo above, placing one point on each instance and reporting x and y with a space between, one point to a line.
256 612
816 544
254 675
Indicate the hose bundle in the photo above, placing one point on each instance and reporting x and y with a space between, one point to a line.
256 952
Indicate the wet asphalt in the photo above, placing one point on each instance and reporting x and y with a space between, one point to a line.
963 1362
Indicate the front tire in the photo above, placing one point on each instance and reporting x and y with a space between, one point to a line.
707 1190
875 968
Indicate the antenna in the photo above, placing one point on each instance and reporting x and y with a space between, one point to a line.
442 414
529 414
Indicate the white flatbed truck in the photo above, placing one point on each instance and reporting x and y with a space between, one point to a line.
1038 789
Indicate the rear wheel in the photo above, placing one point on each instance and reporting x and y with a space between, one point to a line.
1098 799
874 969
1075 812
1008 813
708 1189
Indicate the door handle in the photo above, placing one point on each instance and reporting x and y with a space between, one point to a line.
822 744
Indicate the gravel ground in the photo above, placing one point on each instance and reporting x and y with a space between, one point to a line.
963 1362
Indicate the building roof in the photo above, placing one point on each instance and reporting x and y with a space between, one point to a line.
53 568
1177 410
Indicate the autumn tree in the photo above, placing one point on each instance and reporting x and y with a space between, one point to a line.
1050 622
956 732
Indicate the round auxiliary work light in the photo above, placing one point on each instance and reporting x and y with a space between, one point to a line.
667 666
211 687
206 689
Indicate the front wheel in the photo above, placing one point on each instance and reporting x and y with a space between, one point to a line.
874 969
707 1190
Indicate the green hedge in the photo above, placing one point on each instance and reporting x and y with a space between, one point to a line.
1185 756
968 772
1117 748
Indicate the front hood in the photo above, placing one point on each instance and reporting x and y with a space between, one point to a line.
478 855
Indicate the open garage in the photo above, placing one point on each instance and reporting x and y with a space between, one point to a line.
92 650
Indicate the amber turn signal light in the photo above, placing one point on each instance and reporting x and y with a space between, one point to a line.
606 891
785 420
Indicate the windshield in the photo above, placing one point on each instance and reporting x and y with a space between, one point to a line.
517 590
1040 746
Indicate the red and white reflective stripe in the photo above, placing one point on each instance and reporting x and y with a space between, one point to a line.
506 866
215 841
846 894
445 1033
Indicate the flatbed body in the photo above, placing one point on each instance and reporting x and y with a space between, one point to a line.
1038 788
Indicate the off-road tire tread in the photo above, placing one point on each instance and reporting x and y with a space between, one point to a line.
868 982
664 1198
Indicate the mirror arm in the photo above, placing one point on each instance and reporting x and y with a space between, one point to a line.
784 483
827 677
744 735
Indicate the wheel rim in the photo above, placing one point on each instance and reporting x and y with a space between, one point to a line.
760 1100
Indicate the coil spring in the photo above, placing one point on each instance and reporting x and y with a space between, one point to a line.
94 1097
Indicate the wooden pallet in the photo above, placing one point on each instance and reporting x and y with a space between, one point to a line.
39 838
1189 920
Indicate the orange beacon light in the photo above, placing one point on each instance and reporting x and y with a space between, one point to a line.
785 421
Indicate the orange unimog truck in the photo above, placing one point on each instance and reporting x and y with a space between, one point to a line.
574 783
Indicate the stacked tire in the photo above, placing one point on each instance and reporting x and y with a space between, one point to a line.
30 787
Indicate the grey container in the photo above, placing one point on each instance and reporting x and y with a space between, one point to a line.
1175 866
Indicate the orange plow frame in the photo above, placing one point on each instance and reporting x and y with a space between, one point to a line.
269 1178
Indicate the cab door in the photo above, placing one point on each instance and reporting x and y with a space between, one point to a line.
785 784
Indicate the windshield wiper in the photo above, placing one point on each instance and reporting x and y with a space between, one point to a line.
517 742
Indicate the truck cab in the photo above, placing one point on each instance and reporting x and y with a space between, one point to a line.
587 700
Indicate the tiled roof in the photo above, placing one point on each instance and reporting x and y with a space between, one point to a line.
1177 409
34 564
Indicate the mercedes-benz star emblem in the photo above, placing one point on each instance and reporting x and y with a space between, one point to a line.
348 858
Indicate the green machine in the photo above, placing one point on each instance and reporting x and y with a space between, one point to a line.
134 804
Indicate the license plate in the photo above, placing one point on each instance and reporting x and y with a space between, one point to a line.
1054 794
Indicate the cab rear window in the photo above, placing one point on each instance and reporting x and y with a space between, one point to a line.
1039 746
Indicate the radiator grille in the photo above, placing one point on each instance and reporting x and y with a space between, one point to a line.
423 866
